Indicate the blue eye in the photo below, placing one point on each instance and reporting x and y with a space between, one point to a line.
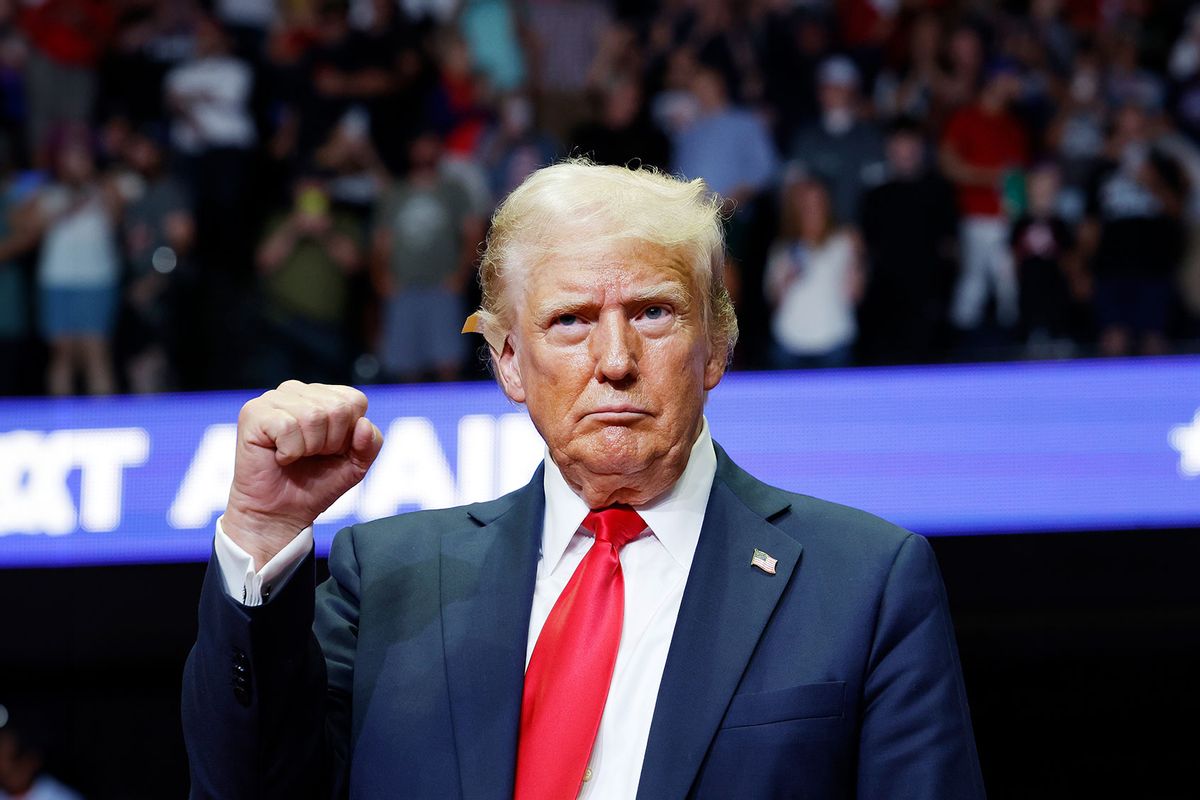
655 312
567 319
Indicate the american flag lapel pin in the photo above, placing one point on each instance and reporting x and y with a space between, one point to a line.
764 562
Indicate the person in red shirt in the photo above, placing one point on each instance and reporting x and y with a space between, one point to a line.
68 37
983 147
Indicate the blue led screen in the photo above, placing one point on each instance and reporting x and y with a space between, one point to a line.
1095 445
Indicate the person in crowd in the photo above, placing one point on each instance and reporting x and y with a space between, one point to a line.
515 146
909 228
1133 237
983 152
149 41
423 249
158 231
213 130
457 103
305 262
622 132
795 41
842 148
814 281
565 39
79 267
394 79
213 135
1077 133
1052 35
343 68
1126 80
963 68
908 88
356 172
23 774
1043 249
68 39
729 147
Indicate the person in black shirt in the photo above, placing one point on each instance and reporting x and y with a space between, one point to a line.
1042 244
908 225
1134 237
623 132
345 68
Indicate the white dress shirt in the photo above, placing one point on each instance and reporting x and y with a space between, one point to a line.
655 568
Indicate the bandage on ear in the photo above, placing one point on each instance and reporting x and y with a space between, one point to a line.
474 324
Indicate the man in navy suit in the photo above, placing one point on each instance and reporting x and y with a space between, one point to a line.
643 619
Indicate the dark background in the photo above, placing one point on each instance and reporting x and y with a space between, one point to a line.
1081 653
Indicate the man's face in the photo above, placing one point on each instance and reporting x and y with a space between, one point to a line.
611 356
837 97
905 153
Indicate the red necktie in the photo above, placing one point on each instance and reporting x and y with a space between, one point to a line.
567 680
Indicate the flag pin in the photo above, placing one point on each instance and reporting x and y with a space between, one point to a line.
764 562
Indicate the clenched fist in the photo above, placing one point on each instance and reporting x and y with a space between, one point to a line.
300 447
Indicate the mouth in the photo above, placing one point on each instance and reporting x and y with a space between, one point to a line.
616 414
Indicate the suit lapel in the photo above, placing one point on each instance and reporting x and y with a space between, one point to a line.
487 578
726 605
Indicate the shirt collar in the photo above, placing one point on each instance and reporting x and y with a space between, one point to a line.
674 518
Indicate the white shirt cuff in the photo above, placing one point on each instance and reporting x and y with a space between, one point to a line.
252 588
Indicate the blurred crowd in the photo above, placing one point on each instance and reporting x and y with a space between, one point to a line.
230 193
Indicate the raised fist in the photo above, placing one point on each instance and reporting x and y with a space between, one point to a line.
300 447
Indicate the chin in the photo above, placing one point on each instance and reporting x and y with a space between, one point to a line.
611 450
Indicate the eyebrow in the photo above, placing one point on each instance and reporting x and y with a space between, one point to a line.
669 292
672 292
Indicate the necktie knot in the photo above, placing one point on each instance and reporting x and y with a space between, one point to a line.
615 525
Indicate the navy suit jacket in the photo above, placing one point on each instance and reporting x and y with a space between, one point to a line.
401 676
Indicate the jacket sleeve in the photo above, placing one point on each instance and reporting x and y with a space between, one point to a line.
916 741
266 696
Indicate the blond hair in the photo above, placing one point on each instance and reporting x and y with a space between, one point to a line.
576 207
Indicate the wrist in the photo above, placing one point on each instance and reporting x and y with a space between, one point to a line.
261 535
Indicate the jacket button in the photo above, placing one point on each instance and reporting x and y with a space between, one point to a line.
241 676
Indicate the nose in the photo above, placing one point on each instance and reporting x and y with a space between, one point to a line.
614 347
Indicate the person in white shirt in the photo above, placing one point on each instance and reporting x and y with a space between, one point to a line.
213 134
814 281
637 621
209 96
78 267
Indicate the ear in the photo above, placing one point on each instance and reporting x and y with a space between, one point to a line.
508 370
714 366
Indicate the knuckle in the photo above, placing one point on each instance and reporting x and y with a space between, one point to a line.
343 410
313 417
353 396
283 426
252 409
